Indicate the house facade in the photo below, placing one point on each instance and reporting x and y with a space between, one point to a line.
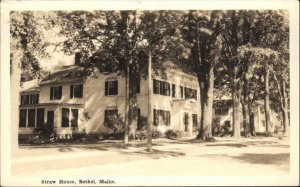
223 112
66 102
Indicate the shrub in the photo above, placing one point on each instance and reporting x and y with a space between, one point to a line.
173 135
156 134
142 134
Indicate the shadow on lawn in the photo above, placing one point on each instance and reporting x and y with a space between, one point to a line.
253 158
102 146
156 154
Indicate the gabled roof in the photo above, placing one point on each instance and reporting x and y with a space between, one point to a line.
30 86
65 74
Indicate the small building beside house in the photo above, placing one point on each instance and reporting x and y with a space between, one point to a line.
68 103
223 112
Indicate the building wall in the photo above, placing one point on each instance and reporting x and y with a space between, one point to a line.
94 102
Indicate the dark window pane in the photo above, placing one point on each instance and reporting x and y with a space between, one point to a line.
195 122
65 117
74 119
181 91
31 117
34 99
155 117
186 121
111 88
51 93
25 99
22 119
224 111
40 116
77 91
56 92
110 117
156 86
71 91
173 90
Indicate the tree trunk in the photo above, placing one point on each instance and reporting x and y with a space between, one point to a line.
206 129
252 125
15 78
245 103
132 105
126 132
285 115
267 99
149 124
236 108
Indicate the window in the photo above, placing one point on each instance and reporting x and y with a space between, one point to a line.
111 87
190 93
161 117
221 111
25 99
186 121
161 87
31 117
156 86
55 92
173 90
195 120
23 116
65 117
181 92
30 99
74 118
34 98
263 123
40 117
110 117
76 91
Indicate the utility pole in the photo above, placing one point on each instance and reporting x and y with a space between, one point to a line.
149 125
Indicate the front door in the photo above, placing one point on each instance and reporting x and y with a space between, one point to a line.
50 119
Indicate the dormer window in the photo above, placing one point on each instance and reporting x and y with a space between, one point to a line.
55 92
76 91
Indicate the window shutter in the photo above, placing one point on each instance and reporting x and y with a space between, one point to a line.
138 86
116 84
106 88
71 91
81 90
51 93
60 91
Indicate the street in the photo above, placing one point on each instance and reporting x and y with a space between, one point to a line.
225 157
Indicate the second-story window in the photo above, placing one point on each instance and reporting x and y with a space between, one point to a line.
161 87
55 92
34 98
111 87
25 99
76 91
173 90
29 99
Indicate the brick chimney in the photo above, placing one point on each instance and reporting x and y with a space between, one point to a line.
77 58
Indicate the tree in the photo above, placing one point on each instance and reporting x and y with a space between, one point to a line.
27 46
200 32
272 31
125 39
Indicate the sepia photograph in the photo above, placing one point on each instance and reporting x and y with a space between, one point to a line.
142 93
